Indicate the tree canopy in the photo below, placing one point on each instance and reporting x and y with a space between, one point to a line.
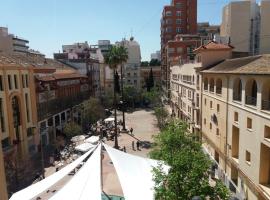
72 129
188 175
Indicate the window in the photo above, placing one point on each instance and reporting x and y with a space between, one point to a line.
248 157
26 80
179 50
218 108
236 116
168 29
251 93
205 101
27 107
178 5
178 30
168 21
204 121
205 84
267 132
1 83
217 131
2 120
178 21
178 13
189 94
219 86
171 50
29 132
23 82
211 104
249 123
9 82
210 126
237 90
212 85
128 74
15 82
168 13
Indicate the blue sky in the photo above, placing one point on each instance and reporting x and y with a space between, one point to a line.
48 24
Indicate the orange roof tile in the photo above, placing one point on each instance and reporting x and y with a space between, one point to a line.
213 46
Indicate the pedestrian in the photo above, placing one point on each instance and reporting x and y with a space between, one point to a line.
133 145
124 149
131 130
138 145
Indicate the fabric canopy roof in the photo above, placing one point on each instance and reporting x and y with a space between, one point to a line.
35 189
84 147
86 184
135 174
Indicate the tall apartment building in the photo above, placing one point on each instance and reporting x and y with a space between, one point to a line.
10 43
245 26
180 17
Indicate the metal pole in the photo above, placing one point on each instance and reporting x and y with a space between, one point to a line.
122 91
115 114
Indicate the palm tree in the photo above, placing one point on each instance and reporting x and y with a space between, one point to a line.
112 59
123 57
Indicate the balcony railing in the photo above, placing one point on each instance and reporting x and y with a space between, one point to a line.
251 100
237 97
265 105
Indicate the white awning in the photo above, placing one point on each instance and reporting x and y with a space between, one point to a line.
110 119
92 139
86 184
84 147
77 138
135 174
35 189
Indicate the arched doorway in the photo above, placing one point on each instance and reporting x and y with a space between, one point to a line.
16 117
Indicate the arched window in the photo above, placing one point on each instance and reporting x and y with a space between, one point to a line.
212 85
205 84
266 96
219 86
237 90
16 116
251 92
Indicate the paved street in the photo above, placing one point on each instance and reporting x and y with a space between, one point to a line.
144 127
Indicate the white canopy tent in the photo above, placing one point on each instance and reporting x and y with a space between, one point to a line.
110 119
35 189
134 172
86 184
84 147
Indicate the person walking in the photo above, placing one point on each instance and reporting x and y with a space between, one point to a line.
131 131
133 145
138 145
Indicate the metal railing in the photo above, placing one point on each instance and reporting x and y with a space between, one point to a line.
265 105
251 100
237 97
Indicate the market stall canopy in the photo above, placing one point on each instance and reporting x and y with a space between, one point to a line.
78 138
110 119
84 147
92 139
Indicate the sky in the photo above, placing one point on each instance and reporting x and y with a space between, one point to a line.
48 24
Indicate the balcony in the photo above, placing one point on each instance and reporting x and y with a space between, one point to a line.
265 105
251 100
237 97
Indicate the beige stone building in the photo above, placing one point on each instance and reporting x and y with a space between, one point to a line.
185 94
3 188
236 123
18 113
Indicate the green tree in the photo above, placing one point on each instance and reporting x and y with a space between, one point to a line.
152 97
150 81
154 62
162 115
92 110
189 172
72 129
144 63
113 59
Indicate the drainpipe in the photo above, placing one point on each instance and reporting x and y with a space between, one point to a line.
227 117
